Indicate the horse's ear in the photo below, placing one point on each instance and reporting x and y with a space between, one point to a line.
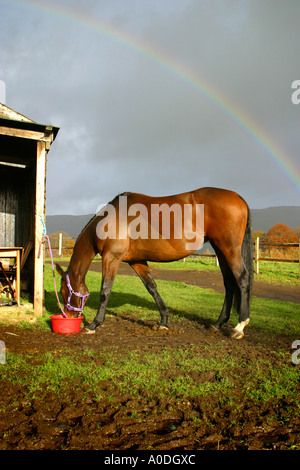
60 270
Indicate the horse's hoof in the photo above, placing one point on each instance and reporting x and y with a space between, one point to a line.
237 334
163 327
214 329
86 331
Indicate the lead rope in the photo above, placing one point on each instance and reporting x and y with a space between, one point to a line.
44 238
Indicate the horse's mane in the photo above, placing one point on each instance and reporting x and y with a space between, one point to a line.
126 193
86 225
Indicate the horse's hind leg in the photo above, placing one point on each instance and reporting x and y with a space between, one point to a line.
243 278
243 281
230 285
143 271
237 283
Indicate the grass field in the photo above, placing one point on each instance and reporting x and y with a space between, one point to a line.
129 295
274 272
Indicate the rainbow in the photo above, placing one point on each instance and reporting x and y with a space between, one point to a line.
171 65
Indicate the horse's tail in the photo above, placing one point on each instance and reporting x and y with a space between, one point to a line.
247 250
247 255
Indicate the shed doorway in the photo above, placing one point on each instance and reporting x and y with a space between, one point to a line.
24 145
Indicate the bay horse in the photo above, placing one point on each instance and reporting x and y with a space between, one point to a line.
226 224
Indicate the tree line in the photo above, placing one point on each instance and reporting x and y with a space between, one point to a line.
279 234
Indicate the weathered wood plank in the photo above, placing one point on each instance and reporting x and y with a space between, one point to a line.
39 211
26 134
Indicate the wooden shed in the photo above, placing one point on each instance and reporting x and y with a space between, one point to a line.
24 145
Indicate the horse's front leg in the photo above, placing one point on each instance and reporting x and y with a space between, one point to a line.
105 292
109 271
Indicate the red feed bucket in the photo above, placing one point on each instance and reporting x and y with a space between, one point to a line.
61 324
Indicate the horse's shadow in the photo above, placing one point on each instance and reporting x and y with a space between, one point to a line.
119 299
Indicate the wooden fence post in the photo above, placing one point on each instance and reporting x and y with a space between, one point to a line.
256 254
60 244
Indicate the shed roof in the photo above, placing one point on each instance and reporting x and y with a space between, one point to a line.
8 113
13 119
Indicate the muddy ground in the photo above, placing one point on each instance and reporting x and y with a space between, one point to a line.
71 423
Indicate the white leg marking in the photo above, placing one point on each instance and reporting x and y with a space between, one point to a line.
86 331
238 331
240 326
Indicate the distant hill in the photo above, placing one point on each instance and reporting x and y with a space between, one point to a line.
71 224
262 219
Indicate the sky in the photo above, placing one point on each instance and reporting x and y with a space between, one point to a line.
158 97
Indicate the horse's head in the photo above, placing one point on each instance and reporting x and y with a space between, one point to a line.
74 295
